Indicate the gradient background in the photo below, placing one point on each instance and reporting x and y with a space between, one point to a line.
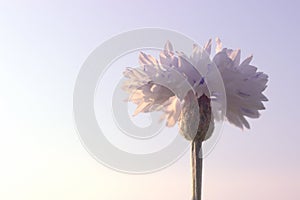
44 43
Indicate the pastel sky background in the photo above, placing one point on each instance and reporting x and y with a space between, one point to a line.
44 43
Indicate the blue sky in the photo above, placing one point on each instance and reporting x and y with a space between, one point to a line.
42 47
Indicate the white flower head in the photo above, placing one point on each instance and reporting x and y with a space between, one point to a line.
173 85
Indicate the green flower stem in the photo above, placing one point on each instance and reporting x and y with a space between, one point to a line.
197 168
202 134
